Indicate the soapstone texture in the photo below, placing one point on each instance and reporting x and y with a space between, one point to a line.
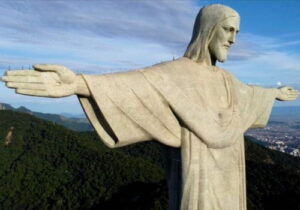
204 110
188 103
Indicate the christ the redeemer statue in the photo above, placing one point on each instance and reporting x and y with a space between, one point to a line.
188 103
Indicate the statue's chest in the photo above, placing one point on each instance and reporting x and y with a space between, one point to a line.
212 89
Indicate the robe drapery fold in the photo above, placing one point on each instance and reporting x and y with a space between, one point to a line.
202 109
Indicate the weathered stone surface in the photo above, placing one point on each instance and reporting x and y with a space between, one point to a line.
188 103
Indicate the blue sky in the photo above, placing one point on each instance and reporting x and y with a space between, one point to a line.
96 37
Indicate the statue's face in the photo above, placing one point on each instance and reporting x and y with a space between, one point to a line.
223 38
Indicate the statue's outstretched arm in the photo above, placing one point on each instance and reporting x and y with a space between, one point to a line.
287 94
46 81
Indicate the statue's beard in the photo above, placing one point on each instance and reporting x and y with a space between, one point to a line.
219 55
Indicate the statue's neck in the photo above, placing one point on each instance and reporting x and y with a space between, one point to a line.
213 62
210 60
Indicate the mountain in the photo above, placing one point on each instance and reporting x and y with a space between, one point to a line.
74 123
6 107
273 178
72 115
80 123
46 166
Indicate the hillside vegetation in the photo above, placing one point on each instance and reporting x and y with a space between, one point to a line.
46 166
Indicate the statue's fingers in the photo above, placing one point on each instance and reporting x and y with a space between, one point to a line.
26 79
293 93
31 86
50 67
292 97
289 88
32 92
22 73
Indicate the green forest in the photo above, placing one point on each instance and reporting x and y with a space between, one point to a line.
47 166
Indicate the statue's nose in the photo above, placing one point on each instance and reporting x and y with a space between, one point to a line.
231 39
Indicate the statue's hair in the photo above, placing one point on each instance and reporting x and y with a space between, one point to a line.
205 26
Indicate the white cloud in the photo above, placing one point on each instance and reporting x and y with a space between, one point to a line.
107 33
90 37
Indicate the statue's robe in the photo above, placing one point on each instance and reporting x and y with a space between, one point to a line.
203 110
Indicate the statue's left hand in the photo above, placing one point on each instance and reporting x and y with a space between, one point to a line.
45 80
287 94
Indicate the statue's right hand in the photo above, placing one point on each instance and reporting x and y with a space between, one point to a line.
45 80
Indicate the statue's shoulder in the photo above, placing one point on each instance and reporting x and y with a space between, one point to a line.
231 77
172 66
224 71
165 65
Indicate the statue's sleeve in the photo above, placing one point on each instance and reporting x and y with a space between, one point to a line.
263 101
124 108
255 103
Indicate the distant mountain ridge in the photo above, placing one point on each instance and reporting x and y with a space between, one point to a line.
80 123
76 124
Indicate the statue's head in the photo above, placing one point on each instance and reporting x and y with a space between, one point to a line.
214 32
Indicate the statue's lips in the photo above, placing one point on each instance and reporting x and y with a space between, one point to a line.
226 46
